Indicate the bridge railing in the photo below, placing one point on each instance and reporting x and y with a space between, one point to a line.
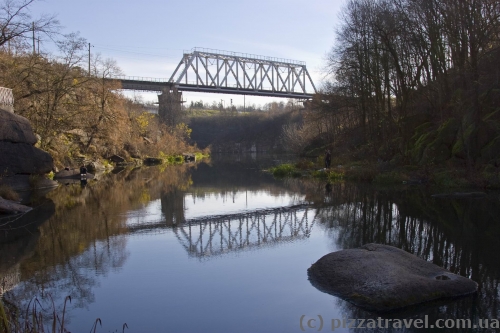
140 78
244 55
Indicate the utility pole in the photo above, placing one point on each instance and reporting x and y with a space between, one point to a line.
33 28
89 58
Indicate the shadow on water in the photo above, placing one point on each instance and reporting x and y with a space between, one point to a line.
460 235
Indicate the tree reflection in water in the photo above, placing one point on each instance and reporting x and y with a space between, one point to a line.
86 235
460 235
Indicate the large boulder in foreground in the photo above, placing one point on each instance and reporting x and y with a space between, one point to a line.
21 158
16 129
382 278
17 153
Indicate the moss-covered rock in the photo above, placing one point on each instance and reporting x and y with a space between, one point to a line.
424 135
447 132
458 150
491 152
486 133
411 123
474 138
433 146
440 149
436 152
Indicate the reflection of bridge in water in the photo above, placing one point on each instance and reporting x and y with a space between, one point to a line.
216 235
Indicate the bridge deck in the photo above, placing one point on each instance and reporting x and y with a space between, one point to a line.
158 86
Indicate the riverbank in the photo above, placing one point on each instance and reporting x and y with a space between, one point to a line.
446 176
20 188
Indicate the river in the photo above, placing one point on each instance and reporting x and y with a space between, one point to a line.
223 247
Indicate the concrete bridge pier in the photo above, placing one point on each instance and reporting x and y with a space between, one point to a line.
169 108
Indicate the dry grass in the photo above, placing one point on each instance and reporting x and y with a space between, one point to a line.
33 320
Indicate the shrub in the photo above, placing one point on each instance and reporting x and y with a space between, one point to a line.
283 170
335 175
304 164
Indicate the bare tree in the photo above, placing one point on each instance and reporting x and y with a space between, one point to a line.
16 22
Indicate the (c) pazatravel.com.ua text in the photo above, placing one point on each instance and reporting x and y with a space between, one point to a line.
319 323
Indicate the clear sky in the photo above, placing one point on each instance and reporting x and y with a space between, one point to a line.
147 37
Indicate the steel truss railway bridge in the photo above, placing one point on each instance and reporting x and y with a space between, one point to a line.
223 72
208 237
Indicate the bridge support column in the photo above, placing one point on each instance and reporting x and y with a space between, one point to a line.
169 108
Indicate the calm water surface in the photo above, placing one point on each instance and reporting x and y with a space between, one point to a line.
223 247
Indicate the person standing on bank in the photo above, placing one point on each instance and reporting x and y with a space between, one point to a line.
83 171
328 159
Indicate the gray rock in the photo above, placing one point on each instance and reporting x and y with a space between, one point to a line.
95 166
188 157
116 159
20 183
23 158
383 278
152 161
16 129
79 133
17 154
12 207
71 174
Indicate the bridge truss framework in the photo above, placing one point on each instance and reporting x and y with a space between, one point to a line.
216 236
238 73
213 236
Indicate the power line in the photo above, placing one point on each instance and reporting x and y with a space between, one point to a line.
141 47
133 52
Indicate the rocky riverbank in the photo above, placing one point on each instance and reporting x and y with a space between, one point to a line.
22 165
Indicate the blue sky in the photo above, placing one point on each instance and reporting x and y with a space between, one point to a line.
147 37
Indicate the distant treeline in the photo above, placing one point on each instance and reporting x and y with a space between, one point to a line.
223 106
